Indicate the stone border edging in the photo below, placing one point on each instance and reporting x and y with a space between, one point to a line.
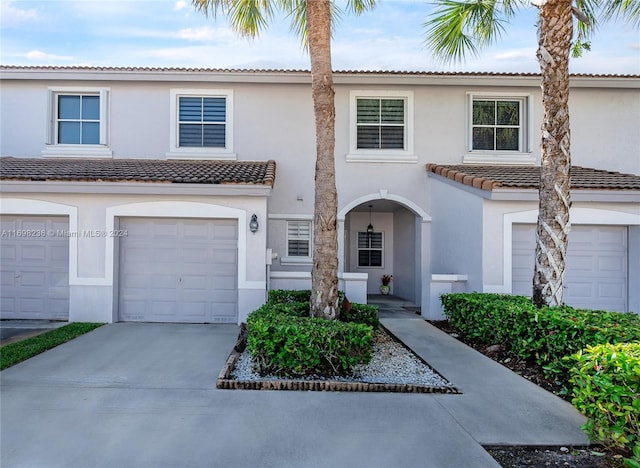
227 383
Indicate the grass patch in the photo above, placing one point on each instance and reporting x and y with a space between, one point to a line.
14 353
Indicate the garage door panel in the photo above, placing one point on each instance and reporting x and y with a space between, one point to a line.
226 231
180 262
610 290
35 269
611 263
33 253
596 275
582 263
8 253
34 278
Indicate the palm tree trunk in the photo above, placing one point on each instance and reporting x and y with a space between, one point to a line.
555 31
324 275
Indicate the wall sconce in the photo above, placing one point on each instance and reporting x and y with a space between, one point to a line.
253 224
370 226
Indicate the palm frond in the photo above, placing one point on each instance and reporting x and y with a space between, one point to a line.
247 17
459 27
627 10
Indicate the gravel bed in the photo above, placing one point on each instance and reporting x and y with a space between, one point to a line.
391 363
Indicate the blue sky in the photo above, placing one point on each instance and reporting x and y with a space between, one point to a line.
170 33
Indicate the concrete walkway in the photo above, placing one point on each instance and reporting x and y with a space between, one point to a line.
143 395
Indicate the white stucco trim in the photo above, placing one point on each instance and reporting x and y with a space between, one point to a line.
23 206
577 216
178 209
384 195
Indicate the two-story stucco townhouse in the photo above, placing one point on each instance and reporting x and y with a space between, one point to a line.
183 195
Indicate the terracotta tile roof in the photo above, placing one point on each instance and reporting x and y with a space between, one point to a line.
139 170
528 177
296 71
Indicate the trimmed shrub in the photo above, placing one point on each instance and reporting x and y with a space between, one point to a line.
545 335
361 313
296 303
557 332
292 346
606 389
283 296
488 318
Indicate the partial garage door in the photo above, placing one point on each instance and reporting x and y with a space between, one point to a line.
178 270
596 275
34 266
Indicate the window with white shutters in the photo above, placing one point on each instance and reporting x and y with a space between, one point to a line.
370 249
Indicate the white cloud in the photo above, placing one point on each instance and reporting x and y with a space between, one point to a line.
43 56
516 54
13 16
205 34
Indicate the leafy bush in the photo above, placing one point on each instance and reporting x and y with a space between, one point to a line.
606 388
296 303
288 345
283 296
292 309
557 332
361 313
488 318
545 335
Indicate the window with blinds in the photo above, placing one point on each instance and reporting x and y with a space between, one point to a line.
202 122
380 123
299 238
370 249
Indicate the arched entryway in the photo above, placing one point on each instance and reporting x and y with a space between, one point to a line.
397 244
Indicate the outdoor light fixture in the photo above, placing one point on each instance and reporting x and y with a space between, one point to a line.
253 224
370 226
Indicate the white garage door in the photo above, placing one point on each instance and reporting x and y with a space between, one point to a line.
178 270
34 267
596 275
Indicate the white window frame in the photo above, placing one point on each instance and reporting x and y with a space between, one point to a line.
297 259
358 249
178 152
55 149
523 155
381 155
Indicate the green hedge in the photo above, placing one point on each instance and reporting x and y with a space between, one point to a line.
293 346
606 389
294 302
284 340
361 313
488 318
545 335
283 296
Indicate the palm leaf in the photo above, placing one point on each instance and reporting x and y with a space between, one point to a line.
457 28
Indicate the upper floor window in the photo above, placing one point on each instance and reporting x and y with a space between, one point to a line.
78 119
497 125
499 129
381 126
201 124
78 122
380 123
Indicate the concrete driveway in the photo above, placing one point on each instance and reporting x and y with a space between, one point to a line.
143 395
